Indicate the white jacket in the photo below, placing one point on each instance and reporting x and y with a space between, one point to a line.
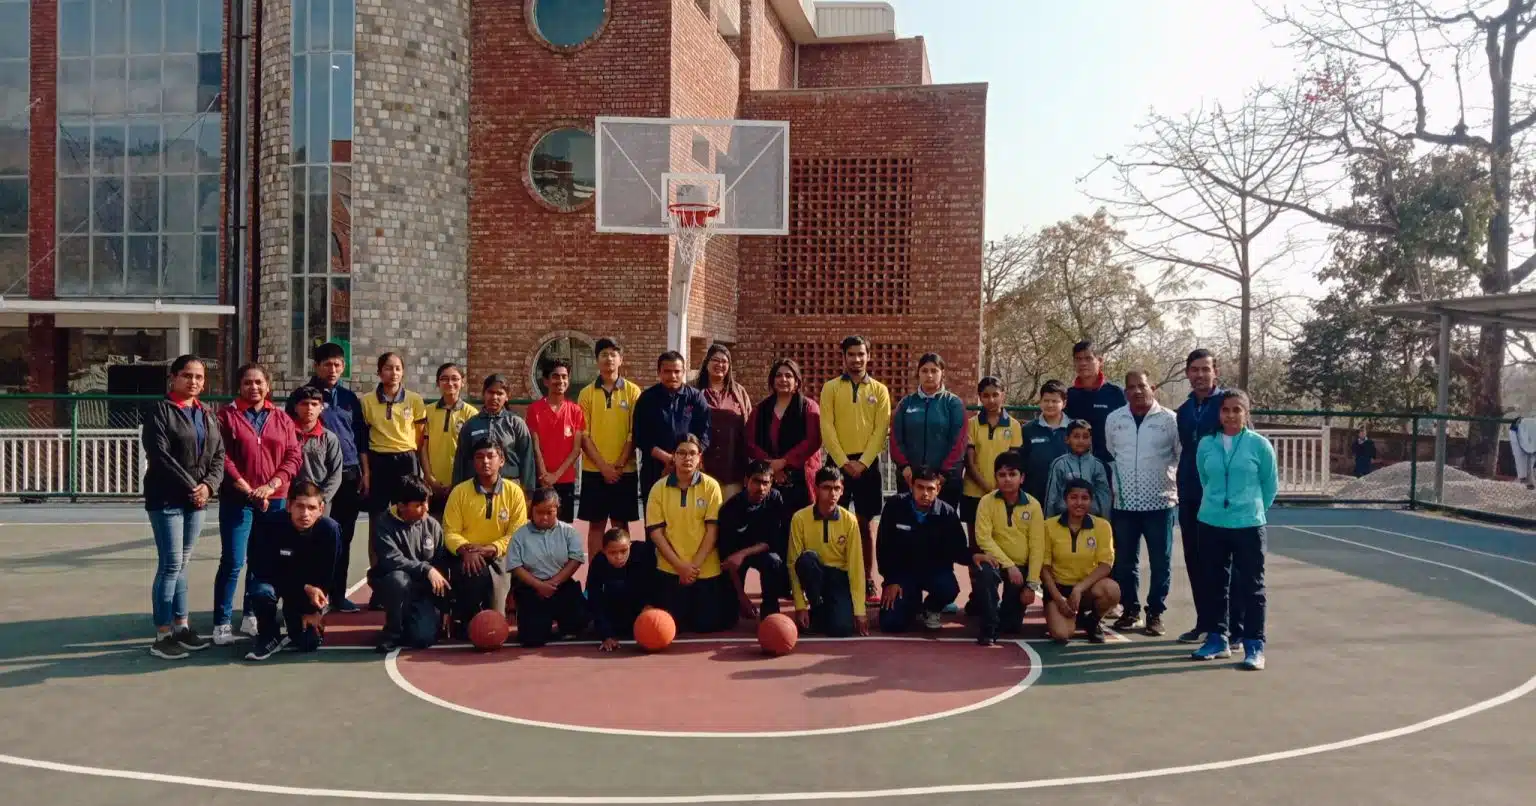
1146 458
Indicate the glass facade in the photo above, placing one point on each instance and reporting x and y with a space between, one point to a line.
321 244
140 138
15 128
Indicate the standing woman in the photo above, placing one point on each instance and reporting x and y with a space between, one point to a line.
261 457
396 418
1238 473
785 431
185 465
928 429
726 459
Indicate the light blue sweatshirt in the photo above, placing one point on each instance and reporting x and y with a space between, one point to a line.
1240 483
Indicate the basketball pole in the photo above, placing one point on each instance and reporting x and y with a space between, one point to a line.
677 305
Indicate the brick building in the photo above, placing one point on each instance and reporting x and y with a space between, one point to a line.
418 177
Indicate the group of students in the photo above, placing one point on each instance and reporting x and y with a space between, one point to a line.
469 507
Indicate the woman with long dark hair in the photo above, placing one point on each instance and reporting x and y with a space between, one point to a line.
785 431
726 458
185 464
261 457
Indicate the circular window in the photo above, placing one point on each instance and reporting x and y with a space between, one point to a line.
573 348
567 24
563 168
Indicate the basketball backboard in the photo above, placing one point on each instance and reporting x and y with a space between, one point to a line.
645 165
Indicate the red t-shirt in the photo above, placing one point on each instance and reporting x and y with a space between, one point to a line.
556 432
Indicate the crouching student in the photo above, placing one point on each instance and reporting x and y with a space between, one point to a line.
478 522
542 560
1079 553
619 586
1010 533
828 565
754 535
292 565
682 518
406 580
921 541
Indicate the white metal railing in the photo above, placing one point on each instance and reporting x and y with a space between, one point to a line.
1302 457
37 461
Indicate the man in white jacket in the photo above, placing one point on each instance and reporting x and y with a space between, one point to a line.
1144 439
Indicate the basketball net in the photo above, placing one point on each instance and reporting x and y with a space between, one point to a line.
692 224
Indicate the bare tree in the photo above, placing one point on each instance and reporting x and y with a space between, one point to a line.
1201 194
1002 264
1384 66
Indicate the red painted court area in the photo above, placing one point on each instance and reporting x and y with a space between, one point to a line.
722 687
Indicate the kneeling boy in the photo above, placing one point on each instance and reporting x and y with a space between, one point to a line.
406 579
1010 531
478 522
293 564
754 535
543 557
682 517
828 566
1079 553
619 586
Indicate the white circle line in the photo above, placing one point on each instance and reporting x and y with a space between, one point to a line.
1035 666
940 789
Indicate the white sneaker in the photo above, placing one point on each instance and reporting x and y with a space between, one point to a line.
931 620
224 636
248 626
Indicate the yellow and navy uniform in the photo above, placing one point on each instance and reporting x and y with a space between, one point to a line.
443 426
483 517
1012 534
610 422
686 515
836 541
855 419
1072 557
392 422
991 441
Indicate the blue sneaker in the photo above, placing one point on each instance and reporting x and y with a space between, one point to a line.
1215 647
1253 655
951 609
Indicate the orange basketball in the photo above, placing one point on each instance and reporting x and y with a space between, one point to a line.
655 629
777 635
488 630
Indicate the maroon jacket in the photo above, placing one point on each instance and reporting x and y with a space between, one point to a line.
254 457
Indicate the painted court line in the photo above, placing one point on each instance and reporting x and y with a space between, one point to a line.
1035 664
1419 539
1002 786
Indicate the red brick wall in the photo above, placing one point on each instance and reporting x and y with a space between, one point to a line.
43 357
534 271
772 53
864 64
938 130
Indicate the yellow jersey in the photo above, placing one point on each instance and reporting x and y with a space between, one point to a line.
610 422
1012 535
392 422
836 541
989 442
443 426
483 517
855 419
686 515
1073 556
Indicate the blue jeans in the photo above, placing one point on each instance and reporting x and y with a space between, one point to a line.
236 522
1157 527
940 585
176 531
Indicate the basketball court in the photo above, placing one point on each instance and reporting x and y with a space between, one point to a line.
1402 648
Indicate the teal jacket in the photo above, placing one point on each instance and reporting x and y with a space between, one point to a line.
929 432
1240 488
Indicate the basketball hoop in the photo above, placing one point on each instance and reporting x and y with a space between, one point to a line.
691 223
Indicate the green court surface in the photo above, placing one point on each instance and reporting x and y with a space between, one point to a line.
1402 653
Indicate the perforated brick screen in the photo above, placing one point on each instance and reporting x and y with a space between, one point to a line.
891 364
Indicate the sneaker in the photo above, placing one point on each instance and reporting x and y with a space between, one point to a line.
1215 647
167 648
374 604
248 626
1191 637
931 620
951 609
871 598
386 646
223 635
1155 626
1128 621
985 640
1095 632
191 641
264 648
345 605
1253 656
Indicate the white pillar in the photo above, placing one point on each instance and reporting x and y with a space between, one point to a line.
1442 404
183 334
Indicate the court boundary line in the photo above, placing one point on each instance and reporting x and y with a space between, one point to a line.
1441 543
941 789
1444 518
1036 667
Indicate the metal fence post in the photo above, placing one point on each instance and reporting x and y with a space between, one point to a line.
74 451
1413 464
